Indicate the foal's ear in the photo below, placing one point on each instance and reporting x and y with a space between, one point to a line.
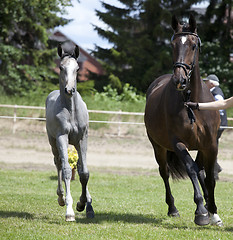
59 50
192 23
175 23
76 51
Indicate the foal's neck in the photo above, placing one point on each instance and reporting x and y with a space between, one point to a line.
68 102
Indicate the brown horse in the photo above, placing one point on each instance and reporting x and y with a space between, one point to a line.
173 129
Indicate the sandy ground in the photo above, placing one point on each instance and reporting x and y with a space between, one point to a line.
30 149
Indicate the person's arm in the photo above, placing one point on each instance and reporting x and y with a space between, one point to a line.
217 105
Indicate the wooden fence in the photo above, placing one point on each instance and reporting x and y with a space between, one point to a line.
119 113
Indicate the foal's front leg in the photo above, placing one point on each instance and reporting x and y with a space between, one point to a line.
62 146
57 161
83 172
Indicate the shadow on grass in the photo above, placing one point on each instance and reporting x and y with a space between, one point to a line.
112 217
125 218
163 222
8 214
53 178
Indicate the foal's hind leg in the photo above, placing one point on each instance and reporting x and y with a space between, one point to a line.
85 198
60 190
161 158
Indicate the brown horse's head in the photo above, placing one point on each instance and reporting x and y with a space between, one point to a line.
185 44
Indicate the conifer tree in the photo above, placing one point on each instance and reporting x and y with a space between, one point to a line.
140 33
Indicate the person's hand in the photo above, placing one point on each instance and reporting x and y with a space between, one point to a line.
192 105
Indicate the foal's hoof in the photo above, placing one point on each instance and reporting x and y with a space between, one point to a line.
70 218
89 211
80 206
61 201
202 219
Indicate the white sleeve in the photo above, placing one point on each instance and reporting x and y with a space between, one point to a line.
218 97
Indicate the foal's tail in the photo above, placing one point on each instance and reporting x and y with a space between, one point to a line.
176 167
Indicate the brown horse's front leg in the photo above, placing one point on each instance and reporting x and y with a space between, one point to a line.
201 213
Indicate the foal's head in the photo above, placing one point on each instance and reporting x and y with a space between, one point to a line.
68 70
185 44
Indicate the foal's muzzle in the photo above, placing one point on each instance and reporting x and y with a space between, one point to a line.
69 92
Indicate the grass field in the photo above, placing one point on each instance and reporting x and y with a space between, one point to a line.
127 206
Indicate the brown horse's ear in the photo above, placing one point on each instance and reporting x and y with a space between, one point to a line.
59 50
175 23
76 51
192 23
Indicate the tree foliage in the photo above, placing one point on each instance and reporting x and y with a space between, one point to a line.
140 33
217 37
26 55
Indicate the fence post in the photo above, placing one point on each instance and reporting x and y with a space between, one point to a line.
119 125
14 119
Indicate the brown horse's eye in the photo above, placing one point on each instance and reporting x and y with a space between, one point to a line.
194 46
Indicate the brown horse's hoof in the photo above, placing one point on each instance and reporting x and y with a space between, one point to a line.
89 211
61 201
173 214
202 219
80 206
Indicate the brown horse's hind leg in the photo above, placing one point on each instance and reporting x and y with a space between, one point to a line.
201 175
201 213
210 182
161 158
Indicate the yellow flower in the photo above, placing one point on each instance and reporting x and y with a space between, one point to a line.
72 157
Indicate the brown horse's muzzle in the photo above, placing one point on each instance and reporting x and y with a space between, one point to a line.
180 82
181 76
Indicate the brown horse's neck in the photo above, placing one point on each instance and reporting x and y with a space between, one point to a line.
195 83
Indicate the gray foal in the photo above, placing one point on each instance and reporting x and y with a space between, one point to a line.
67 123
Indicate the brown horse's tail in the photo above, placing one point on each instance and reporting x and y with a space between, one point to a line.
176 167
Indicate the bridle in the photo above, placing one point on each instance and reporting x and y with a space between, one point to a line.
188 69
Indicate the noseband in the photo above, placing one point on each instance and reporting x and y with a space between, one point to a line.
187 68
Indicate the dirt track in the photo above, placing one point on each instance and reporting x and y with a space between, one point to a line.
31 150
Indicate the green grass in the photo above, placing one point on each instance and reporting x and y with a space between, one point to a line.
126 207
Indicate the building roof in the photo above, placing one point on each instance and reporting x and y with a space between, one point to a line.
83 55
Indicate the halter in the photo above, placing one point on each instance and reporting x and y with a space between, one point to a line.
184 65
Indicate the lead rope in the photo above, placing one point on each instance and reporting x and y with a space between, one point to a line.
190 112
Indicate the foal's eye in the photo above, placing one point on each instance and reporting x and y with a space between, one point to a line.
61 68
